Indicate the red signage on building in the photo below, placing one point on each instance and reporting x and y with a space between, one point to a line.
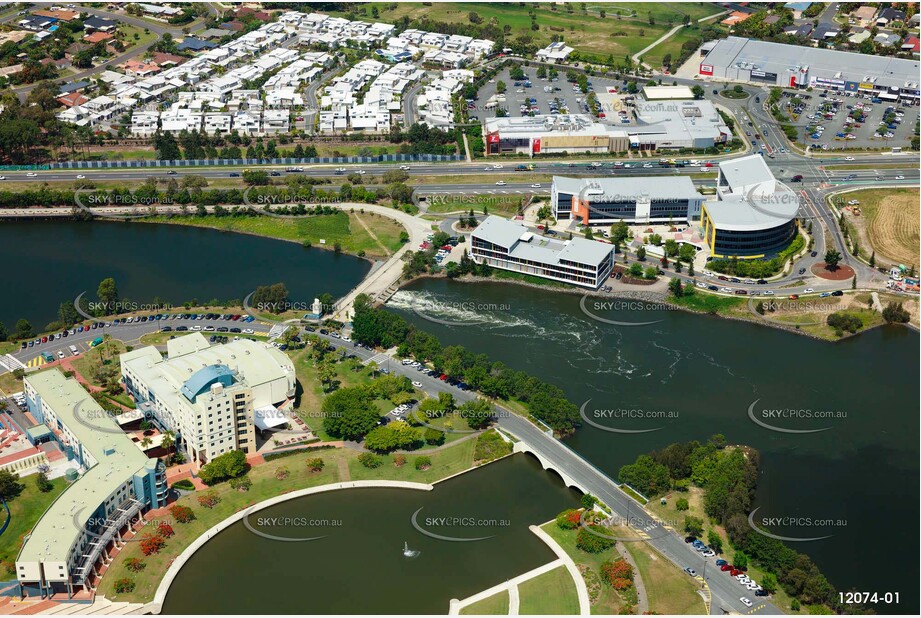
493 138
536 146
706 69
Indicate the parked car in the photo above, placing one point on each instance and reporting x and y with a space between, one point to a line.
746 601
690 571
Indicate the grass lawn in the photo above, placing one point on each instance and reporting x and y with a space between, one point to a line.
9 384
516 276
502 206
620 32
670 591
671 46
604 599
344 229
496 605
551 593
453 459
88 363
708 303
25 510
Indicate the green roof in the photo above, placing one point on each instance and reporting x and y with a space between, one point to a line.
118 460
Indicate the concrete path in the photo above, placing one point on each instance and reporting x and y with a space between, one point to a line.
511 586
642 604
585 606
662 39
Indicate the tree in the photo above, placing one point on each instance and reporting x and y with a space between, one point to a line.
589 234
694 526
895 313
477 412
636 269
370 460
593 539
675 287
107 293
501 87
349 414
718 440
315 464
641 253
671 248
395 435
23 329
715 541
10 487
168 442
769 582
227 466
422 463
619 232
740 560
698 91
832 257
682 504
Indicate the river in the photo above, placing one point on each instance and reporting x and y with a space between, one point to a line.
50 263
690 376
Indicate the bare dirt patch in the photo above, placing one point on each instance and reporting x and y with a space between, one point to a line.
888 223
840 273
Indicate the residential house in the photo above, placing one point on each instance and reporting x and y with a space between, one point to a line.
890 17
864 15
100 24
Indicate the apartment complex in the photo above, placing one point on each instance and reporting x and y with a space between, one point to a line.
634 200
213 397
754 214
115 483
504 244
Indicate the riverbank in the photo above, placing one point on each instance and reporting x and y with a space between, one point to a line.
804 320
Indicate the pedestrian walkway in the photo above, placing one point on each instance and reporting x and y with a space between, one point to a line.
510 586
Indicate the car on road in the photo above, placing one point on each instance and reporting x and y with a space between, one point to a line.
814 253
275 174
80 176
802 271
248 331
405 168
709 553
900 178
746 601
761 592
500 183
171 173
824 294
808 291
848 158
417 384
837 293
690 571
536 185
2 177
31 174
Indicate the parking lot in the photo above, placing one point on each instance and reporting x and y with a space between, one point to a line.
543 96
835 121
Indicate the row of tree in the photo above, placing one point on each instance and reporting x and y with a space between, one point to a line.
545 401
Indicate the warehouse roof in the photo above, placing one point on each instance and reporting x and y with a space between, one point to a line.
828 63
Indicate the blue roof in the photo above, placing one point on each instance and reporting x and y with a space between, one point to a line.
202 380
797 6
194 44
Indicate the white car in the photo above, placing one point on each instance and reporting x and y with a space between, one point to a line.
701 285
347 339
536 185
900 178
404 168
746 601
361 172
848 158
808 291
497 167
80 176
853 203
500 183
31 174
647 165
196 327
60 354
753 585
417 384
248 331
726 290
769 292
708 554
2 177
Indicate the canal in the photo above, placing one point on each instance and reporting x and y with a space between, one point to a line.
687 377
50 263
359 566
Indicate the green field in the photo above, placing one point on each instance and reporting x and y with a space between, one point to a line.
346 229
670 591
496 605
671 46
551 593
585 30
25 509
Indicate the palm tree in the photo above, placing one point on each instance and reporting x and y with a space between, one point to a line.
168 442
146 442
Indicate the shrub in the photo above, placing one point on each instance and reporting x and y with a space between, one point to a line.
135 565
164 530
370 460
682 504
241 484
42 482
588 501
209 500
124 585
282 473
182 514
423 463
618 574
316 464
569 519
593 539
152 544
184 484
399 460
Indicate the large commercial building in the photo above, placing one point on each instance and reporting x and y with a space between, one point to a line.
504 244
754 214
114 483
212 397
646 199
791 66
656 126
